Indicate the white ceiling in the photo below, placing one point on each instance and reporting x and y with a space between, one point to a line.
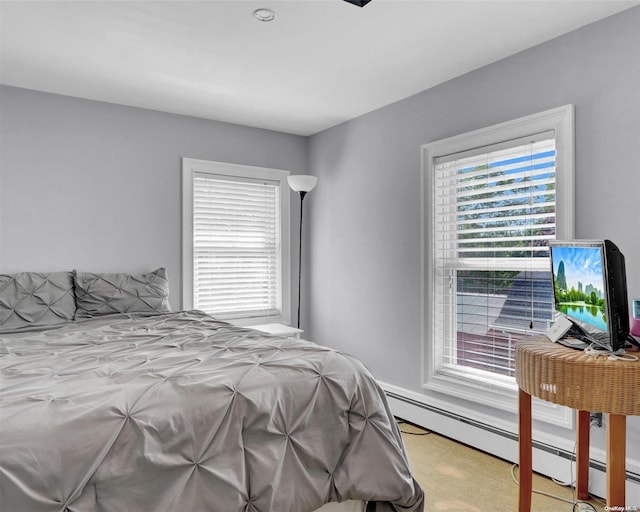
321 62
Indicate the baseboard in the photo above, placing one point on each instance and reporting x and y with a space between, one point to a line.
552 455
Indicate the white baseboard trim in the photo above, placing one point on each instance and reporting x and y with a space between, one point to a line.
552 455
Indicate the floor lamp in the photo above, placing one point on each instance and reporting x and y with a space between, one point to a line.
301 183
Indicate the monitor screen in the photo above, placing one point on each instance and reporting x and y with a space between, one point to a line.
579 284
590 288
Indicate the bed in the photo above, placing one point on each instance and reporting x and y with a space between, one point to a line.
110 402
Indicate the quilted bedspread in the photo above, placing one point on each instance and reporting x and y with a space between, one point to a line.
180 412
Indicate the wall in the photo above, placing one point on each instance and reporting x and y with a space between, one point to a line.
97 187
365 219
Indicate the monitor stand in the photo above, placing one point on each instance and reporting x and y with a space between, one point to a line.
634 342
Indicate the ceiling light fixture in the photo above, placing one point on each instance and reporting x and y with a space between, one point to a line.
263 14
359 3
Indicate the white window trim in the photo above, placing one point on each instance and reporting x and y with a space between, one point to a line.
502 396
192 165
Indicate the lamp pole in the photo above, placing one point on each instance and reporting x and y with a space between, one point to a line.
301 193
301 184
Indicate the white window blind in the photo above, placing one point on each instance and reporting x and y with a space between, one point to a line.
492 199
494 212
237 270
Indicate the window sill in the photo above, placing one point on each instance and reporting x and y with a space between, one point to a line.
503 396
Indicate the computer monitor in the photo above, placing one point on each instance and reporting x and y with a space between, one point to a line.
590 288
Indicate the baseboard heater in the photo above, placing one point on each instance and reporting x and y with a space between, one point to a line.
631 476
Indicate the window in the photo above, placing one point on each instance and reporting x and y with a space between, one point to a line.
492 200
236 242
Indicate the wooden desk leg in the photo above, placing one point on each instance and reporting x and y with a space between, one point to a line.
582 455
525 451
616 471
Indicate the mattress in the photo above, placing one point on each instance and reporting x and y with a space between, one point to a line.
181 412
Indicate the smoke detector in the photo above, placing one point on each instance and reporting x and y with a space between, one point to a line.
264 14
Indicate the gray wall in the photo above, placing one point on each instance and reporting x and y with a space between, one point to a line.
365 215
97 187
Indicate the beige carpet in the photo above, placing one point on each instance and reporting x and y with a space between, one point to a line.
458 478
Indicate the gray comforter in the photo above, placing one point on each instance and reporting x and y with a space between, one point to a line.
180 412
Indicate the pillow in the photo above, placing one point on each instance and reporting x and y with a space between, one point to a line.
109 293
33 299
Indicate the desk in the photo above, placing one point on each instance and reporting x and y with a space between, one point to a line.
570 377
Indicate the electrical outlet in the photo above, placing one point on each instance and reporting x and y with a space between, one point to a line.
595 419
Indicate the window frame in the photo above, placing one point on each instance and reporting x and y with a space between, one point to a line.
501 392
191 166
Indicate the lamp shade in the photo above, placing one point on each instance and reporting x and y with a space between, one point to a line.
302 182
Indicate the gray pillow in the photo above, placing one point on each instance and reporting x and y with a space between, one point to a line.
34 299
109 293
